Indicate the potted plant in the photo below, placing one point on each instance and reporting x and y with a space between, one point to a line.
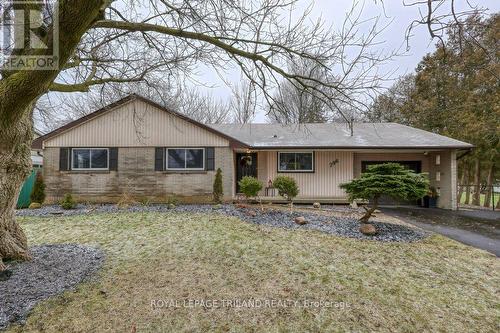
430 200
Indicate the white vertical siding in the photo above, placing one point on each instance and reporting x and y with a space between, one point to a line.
137 124
323 182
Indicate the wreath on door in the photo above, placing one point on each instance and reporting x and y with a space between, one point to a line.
246 161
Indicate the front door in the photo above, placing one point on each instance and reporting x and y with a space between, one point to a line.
246 165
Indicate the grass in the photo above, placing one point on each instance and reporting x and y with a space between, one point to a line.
481 198
433 285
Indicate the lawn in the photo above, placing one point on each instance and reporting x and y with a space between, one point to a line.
432 285
482 197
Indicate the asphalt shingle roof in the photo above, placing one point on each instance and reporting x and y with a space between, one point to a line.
337 135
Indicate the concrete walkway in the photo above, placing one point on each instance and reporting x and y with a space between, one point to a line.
478 228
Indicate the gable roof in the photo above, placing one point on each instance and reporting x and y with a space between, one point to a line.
337 135
38 142
272 136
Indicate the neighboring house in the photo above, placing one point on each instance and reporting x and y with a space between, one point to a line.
36 154
139 148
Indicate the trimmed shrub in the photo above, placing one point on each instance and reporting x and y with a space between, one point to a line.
287 187
250 186
172 201
125 200
68 202
35 205
38 193
218 190
386 179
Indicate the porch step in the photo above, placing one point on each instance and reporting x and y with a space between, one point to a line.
323 200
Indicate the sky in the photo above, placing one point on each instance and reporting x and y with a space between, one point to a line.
392 13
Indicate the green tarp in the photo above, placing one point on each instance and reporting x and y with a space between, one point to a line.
24 196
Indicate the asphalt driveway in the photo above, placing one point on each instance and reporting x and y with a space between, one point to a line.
478 228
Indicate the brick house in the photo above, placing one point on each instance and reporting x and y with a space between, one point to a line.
138 147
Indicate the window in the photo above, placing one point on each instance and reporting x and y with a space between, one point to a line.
90 159
438 176
185 159
295 162
438 159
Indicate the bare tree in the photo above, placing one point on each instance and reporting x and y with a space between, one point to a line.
53 111
203 108
104 41
439 16
293 105
244 102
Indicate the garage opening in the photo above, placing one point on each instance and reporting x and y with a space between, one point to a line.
415 166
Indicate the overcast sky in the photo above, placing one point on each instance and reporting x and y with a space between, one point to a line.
395 14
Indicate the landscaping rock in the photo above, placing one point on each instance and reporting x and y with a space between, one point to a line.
242 206
354 205
53 270
5 275
345 225
368 229
317 205
35 205
252 213
300 220
171 206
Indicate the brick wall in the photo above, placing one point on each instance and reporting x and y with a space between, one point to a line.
136 176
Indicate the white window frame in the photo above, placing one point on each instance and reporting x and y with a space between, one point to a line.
296 152
438 159
438 176
185 161
90 159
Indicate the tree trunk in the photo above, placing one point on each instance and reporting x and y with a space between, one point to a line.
467 189
369 212
19 90
15 165
491 173
476 198
461 186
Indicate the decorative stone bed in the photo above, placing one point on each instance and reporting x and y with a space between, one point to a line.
53 270
282 218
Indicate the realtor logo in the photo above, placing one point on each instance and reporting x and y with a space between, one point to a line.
29 35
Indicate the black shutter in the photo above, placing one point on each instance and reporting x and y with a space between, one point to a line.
209 158
159 159
64 157
113 159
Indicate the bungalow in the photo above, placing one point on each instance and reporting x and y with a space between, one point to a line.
139 148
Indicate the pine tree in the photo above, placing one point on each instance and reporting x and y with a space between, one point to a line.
38 193
388 179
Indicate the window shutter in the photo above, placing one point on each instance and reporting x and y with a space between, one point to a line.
209 158
159 159
64 157
113 159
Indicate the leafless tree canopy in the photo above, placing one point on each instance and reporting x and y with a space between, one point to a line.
244 102
142 40
440 15
296 105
